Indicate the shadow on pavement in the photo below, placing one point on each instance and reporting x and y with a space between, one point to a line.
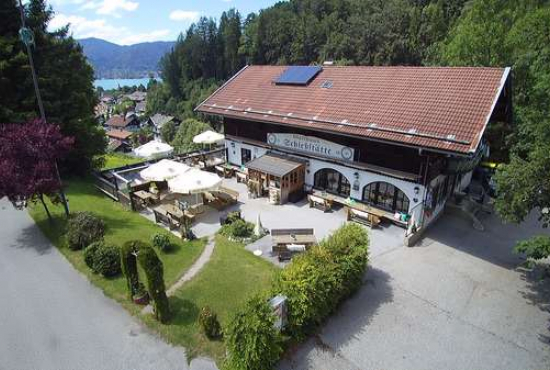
351 319
31 237
538 292
495 244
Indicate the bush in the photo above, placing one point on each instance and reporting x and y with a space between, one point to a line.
83 229
238 229
103 259
209 323
107 261
162 242
537 248
317 281
89 253
252 341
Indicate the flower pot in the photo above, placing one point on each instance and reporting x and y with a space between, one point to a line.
141 299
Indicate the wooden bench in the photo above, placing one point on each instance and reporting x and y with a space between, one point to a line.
363 217
317 202
166 220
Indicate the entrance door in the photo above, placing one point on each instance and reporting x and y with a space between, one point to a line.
246 156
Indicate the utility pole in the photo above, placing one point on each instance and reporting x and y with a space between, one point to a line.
28 39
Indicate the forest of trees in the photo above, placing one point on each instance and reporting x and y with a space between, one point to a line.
492 33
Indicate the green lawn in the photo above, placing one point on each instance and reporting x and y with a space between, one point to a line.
121 225
229 278
114 160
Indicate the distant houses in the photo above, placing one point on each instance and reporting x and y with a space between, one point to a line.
137 96
157 121
140 108
116 122
119 140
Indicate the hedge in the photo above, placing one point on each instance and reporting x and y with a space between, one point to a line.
84 228
315 283
154 275
252 341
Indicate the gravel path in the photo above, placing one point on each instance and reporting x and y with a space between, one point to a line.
52 318
196 268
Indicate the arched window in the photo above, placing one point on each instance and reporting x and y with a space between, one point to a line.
386 196
332 181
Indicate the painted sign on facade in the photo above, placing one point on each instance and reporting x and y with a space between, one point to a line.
311 145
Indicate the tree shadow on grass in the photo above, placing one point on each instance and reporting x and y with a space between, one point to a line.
183 311
351 320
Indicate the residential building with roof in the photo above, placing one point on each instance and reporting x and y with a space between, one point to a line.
158 120
119 140
117 122
398 139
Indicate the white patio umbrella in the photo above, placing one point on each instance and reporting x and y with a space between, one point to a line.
194 181
208 137
164 170
153 149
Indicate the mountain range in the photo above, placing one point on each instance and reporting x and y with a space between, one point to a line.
110 60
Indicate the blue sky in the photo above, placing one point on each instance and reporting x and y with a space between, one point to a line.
128 22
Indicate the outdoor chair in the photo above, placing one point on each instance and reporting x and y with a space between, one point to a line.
166 220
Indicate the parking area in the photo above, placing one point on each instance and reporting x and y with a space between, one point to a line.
459 300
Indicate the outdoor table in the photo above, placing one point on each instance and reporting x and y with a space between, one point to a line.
144 196
294 239
175 212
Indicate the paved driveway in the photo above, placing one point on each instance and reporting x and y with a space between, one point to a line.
457 301
52 318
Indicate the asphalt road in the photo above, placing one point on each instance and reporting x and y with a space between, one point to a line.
52 318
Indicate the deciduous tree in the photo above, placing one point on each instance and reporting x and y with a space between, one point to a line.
28 155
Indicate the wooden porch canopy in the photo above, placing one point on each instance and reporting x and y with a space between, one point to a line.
274 164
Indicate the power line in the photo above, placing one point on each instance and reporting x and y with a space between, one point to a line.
28 39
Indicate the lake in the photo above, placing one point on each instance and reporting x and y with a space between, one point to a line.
109 84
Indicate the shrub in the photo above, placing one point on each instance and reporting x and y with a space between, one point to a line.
89 253
317 281
128 263
253 342
238 229
209 323
162 242
83 229
537 248
107 260
103 259
154 273
233 216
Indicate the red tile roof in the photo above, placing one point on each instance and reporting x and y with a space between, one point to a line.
119 121
119 134
433 107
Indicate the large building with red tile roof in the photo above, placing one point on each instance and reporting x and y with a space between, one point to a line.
398 139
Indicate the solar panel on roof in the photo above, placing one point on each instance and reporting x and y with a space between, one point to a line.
298 75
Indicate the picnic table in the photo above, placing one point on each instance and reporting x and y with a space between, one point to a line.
175 212
225 170
144 197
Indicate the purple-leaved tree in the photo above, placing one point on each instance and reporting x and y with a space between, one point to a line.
28 155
